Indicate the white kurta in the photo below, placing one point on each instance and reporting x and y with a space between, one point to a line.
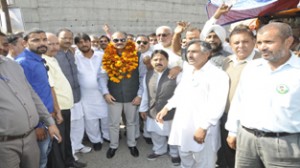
174 60
200 100
147 53
151 125
94 105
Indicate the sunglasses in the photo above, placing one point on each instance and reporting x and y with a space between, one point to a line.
119 40
162 35
142 42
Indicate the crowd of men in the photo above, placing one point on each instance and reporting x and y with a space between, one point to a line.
204 101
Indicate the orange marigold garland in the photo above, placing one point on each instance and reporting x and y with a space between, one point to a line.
119 67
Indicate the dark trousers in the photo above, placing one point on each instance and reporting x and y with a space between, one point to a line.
226 155
56 156
61 153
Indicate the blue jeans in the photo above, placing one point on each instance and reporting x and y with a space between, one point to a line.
45 147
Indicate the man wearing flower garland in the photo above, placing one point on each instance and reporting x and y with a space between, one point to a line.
121 86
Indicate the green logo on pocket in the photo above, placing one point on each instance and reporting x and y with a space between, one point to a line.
282 89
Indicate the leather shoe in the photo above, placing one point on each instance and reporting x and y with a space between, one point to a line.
76 164
106 140
134 151
148 140
97 146
110 153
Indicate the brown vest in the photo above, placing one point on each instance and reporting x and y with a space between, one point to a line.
234 73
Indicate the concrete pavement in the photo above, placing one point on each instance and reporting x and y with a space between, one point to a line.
123 158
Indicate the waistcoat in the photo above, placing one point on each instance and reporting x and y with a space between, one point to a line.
159 96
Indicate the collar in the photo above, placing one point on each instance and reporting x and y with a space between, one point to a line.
10 57
235 61
1 59
32 55
65 51
204 68
293 61
160 72
80 54
44 56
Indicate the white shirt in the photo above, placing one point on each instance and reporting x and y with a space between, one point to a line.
267 100
10 57
174 60
147 53
94 105
199 100
237 62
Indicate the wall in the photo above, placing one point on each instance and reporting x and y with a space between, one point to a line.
132 16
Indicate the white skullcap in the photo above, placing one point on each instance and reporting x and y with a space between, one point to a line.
219 30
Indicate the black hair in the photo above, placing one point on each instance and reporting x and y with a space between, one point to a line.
142 35
13 38
241 29
162 52
105 36
205 47
32 31
80 36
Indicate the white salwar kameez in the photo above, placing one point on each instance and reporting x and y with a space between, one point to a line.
158 132
199 100
146 134
93 106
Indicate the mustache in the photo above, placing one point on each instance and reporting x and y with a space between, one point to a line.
42 46
190 59
156 65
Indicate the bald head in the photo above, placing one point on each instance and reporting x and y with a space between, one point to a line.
164 36
52 43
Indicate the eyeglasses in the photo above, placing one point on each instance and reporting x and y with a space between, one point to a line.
162 35
142 42
119 40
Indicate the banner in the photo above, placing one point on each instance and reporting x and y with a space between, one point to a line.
246 9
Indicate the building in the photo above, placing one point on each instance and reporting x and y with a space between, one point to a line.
131 16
